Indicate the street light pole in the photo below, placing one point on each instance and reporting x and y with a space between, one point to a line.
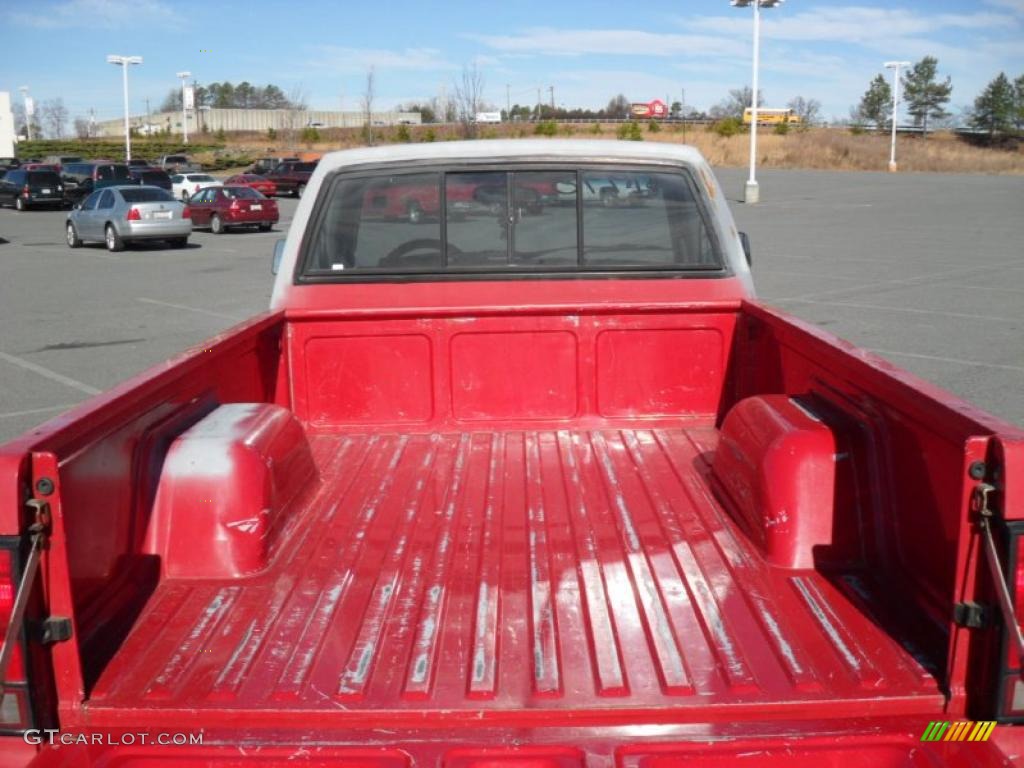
124 62
895 66
184 111
752 193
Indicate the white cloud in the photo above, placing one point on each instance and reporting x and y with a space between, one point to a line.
608 42
1016 6
100 14
850 24
348 60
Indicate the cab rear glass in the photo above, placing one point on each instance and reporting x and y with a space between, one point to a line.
522 221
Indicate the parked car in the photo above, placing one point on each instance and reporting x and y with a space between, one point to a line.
82 179
259 183
120 215
571 497
187 184
291 177
39 167
26 189
153 177
265 165
138 162
227 207
178 164
7 163
61 160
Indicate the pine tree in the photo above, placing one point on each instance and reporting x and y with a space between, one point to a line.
876 103
994 108
925 96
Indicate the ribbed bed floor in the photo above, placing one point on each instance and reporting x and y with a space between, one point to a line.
553 570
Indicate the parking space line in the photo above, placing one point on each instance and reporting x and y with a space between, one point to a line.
67 381
940 359
31 411
909 310
909 282
172 305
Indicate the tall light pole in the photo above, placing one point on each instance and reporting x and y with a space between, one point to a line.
184 109
751 193
895 66
124 62
29 111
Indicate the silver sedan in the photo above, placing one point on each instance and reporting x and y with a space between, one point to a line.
123 214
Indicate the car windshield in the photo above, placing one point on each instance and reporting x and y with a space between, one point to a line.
586 219
43 177
146 195
113 172
241 193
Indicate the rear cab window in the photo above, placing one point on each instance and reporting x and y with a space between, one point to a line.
146 195
443 222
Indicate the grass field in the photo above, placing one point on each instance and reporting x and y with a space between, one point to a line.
820 148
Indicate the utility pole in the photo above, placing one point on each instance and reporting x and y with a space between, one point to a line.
551 88
538 104
30 110
508 101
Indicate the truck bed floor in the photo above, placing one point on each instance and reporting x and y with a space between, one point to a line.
552 573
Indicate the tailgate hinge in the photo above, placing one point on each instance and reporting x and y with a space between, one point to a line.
39 532
980 505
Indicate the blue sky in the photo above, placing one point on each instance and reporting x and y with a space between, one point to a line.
587 50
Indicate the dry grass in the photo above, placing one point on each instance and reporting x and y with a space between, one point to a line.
822 149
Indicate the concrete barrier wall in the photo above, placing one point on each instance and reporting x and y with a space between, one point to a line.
253 120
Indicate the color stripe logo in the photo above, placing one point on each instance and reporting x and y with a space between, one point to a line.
970 730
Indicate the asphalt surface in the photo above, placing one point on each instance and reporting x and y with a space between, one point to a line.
927 270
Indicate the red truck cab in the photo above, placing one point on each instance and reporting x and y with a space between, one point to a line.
535 488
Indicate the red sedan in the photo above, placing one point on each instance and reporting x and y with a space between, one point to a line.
262 185
220 208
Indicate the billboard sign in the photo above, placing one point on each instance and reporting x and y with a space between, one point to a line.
189 95
653 109
30 106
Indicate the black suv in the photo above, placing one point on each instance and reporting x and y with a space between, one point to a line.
24 189
82 179
151 177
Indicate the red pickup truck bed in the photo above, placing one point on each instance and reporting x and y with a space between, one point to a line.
526 576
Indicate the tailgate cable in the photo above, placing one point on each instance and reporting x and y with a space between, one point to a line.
979 502
39 531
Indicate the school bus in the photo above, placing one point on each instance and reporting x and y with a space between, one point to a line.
767 116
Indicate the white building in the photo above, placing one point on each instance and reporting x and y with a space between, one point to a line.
6 125
215 119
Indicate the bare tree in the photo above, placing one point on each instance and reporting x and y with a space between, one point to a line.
738 101
294 113
808 110
55 117
366 102
83 128
469 97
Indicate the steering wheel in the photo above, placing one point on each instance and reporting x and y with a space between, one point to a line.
396 254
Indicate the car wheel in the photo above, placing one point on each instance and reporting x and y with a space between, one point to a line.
178 242
216 225
74 241
19 204
112 239
414 212
299 190
266 227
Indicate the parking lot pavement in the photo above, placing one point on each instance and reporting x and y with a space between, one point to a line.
926 269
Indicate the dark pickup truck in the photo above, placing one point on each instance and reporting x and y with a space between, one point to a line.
291 177
507 487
